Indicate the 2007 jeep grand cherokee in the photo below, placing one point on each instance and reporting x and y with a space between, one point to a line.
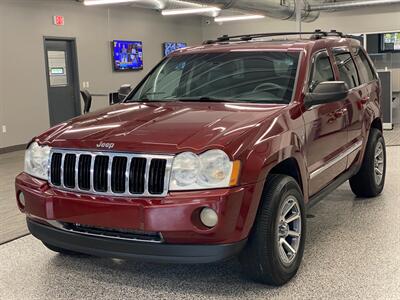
218 152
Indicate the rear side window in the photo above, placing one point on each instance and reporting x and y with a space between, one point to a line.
322 70
367 74
347 69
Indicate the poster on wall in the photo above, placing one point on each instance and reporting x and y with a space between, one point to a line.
127 55
169 47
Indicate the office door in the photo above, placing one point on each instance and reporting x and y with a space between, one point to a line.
62 79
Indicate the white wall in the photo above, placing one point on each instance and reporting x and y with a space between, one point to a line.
23 23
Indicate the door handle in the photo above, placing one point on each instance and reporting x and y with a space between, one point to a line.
339 113
365 100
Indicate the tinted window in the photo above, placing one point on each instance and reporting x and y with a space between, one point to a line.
230 76
364 67
347 69
322 70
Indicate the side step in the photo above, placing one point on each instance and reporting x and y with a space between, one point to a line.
338 181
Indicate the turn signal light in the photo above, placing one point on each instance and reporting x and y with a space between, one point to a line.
235 173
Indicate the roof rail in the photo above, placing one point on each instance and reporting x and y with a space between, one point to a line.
315 35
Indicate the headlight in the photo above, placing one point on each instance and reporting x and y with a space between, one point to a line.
212 169
37 160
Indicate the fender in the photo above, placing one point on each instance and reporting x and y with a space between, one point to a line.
262 164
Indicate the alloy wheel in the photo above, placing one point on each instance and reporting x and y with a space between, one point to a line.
288 230
379 162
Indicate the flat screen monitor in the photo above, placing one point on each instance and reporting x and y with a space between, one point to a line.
127 55
170 47
390 41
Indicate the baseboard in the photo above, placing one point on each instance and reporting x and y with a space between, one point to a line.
12 148
387 126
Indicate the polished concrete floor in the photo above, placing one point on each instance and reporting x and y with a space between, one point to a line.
12 222
351 253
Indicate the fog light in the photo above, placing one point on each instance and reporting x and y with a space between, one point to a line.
209 217
21 199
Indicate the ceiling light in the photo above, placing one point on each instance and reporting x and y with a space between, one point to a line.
238 18
103 2
184 11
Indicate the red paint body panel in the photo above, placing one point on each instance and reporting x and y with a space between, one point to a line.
259 135
172 215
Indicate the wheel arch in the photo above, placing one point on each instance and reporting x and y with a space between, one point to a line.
289 167
377 123
293 166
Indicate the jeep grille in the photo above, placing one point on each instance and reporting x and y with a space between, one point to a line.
105 173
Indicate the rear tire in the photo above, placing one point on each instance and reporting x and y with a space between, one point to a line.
268 256
63 251
370 179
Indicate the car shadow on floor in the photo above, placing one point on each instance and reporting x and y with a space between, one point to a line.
211 280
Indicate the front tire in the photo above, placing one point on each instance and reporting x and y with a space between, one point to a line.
275 246
370 179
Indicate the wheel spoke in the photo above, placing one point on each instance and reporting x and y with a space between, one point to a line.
379 172
288 209
282 251
288 246
378 152
292 218
293 233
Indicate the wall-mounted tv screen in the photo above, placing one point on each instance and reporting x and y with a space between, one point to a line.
390 41
172 46
127 55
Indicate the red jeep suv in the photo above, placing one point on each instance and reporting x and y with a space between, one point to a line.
218 152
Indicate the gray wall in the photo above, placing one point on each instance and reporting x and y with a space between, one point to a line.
23 23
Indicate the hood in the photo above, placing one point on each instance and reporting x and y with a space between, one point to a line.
160 127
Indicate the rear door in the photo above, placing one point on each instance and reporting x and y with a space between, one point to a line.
326 129
359 94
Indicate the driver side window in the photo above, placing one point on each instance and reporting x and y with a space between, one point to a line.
321 70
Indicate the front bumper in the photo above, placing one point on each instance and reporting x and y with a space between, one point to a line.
173 216
171 253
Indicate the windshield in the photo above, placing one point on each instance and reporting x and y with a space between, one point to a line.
265 77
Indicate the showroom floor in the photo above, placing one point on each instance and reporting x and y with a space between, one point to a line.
351 252
12 222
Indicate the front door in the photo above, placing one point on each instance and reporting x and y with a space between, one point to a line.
62 80
326 130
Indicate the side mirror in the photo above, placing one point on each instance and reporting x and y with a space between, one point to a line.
124 91
325 92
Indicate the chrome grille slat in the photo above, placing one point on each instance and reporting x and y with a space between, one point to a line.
146 176
77 169
129 181
109 169
127 174
92 172
62 169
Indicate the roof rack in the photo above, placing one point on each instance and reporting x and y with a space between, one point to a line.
315 35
